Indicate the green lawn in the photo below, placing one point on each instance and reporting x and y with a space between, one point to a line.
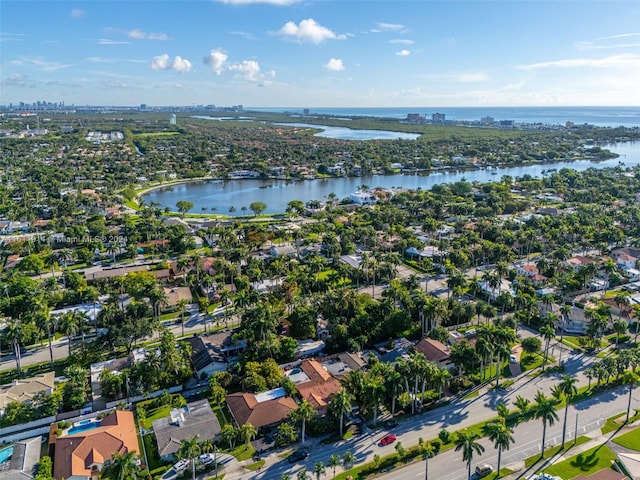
630 440
151 447
241 452
530 361
550 452
155 414
255 466
585 463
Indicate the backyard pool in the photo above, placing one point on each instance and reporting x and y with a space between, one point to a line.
83 425
5 454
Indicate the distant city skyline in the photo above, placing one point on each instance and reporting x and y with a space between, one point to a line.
322 53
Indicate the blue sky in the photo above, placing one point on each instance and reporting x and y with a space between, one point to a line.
321 53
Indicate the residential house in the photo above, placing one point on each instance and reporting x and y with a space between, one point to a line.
626 261
205 358
80 452
23 390
282 251
23 463
436 352
631 251
494 292
578 261
262 410
318 387
103 274
363 198
175 294
184 423
399 348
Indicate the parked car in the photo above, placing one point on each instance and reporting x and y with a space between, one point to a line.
483 470
388 439
546 476
513 359
298 456
181 465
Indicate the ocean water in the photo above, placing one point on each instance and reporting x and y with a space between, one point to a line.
599 116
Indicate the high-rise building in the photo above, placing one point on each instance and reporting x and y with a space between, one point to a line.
172 119
437 117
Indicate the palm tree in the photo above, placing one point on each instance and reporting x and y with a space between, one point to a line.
48 323
123 466
468 442
348 458
548 334
342 405
182 308
502 437
631 378
189 449
247 433
319 470
69 325
565 390
620 327
544 410
427 450
302 474
303 414
12 333
334 461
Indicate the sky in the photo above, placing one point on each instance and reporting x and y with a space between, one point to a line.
321 53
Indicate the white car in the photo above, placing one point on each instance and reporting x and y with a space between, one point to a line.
206 458
546 476
181 465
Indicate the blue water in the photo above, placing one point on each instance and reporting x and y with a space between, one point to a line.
278 193
83 427
5 454
343 133
600 116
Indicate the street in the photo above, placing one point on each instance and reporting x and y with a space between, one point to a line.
461 413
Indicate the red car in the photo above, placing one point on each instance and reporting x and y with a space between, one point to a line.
388 439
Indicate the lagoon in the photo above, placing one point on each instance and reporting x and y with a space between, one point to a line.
222 195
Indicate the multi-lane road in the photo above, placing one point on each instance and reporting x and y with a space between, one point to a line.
461 413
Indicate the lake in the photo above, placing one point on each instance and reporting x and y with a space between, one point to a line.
278 193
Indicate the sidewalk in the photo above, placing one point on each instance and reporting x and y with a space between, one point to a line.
597 439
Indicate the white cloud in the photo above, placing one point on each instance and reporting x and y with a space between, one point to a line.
78 13
403 53
334 64
249 2
107 41
613 61
140 35
402 41
216 60
250 71
112 60
17 80
40 64
308 31
163 62
390 27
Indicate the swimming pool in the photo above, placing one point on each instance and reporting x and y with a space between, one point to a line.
83 426
5 454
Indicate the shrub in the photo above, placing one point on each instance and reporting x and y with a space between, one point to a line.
444 436
436 444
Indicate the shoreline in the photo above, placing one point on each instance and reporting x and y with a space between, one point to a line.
419 172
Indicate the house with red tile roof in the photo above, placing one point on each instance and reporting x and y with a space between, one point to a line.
320 387
261 410
81 451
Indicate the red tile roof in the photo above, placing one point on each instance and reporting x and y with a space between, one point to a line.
75 454
246 409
